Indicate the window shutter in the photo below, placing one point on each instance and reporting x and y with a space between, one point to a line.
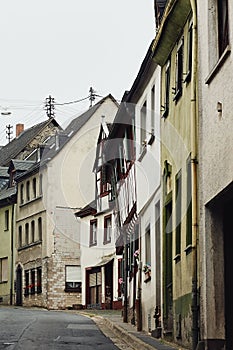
73 273
98 278
92 281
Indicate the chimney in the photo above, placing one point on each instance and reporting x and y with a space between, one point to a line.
19 129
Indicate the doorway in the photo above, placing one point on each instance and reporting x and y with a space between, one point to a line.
19 286
228 263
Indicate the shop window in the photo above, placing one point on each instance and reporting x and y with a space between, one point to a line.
27 283
39 280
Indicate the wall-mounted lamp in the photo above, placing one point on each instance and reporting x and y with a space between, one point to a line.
219 107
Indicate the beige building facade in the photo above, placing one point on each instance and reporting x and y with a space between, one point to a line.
174 51
48 245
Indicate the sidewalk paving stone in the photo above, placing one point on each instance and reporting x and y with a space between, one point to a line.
127 331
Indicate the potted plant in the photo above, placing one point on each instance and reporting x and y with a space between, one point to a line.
147 271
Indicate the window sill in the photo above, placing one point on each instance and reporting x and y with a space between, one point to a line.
165 113
177 258
142 154
177 95
30 201
75 290
188 249
218 65
93 244
151 140
188 77
29 245
107 242
3 282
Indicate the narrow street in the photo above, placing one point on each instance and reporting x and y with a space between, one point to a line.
41 329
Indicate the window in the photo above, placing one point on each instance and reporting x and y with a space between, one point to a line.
26 233
218 36
93 232
33 281
178 215
73 281
28 191
95 282
122 161
34 187
3 270
143 125
179 70
104 185
189 53
107 228
20 237
21 193
33 231
148 246
6 220
27 283
40 229
189 205
167 89
153 109
41 185
223 26
39 280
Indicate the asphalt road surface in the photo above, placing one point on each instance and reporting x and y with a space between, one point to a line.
41 329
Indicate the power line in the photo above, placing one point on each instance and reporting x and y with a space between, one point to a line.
71 102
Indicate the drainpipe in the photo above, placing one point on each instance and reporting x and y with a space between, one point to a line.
12 254
194 145
125 318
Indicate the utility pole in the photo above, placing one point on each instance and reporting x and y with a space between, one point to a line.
49 107
92 96
9 132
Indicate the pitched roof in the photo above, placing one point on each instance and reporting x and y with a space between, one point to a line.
17 145
78 122
7 195
64 136
3 171
89 209
21 165
4 177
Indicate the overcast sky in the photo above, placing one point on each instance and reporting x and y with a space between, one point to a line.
61 48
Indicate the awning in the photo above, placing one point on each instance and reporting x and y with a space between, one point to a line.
105 260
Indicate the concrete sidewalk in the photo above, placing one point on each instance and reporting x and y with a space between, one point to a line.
128 332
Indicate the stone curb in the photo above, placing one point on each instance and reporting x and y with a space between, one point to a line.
128 338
